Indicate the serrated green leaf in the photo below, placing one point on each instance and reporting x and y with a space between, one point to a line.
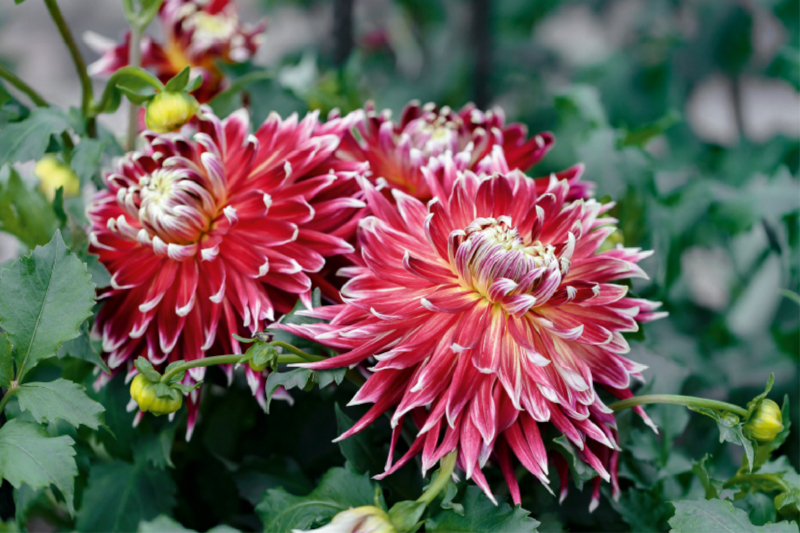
81 348
480 514
6 362
719 516
24 213
357 449
86 158
642 510
48 401
157 448
119 495
295 378
100 276
179 81
44 298
712 486
28 139
58 207
338 490
730 430
325 377
28 454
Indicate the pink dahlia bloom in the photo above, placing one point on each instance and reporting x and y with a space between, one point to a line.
490 315
397 152
216 235
198 34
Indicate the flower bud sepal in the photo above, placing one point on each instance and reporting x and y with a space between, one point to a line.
155 395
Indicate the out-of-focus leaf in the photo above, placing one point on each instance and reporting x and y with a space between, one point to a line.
712 486
338 490
6 362
157 447
28 454
28 139
719 516
165 524
24 213
730 430
86 158
44 298
363 456
255 475
119 495
48 401
579 469
81 348
642 510
481 514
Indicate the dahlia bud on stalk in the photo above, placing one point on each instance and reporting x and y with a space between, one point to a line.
146 394
366 519
52 174
168 111
766 423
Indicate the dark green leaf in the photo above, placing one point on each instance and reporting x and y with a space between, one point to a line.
338 490
295 378
326 377
730 430
580 470
719 516
179 81
255 475
157 448
712 486
44 298
642 510
480 514
119 495
59 399
362 455
24 213
86 158
58 207
28 454
81 348
642 135
6 362
26 140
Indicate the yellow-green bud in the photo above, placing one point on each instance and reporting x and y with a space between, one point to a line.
52 174
766 423
787 503
144 392
366 519
169 111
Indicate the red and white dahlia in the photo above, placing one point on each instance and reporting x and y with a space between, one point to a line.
198 34
215 235
397 152
488 313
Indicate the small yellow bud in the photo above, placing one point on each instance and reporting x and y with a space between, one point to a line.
366 519
52 174
169 111
767 422
144 392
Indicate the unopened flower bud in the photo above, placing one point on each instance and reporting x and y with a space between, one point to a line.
52 174
788 503
766 423
169 111
366 519
144 392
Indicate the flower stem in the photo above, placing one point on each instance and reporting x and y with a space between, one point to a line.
674 399
448 464
80 65
8 395
307 357
11 78
126 72
134 60
749 478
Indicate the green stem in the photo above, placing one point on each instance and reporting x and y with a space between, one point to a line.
674 399
307 357
447 465
11 78
87 94
127 71
135 61
749 478
7 397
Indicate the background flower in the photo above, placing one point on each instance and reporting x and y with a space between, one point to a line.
489 313
215 235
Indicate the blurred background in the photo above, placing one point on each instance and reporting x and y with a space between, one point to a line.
686 112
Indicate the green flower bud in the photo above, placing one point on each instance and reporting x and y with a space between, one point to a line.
143 391
52 174
366 519
766 423
169 111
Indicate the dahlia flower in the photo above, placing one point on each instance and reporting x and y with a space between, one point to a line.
198 33
488 313
397 152
215 235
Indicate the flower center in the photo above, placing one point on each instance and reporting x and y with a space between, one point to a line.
209 27
493 248
174 207
435 133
